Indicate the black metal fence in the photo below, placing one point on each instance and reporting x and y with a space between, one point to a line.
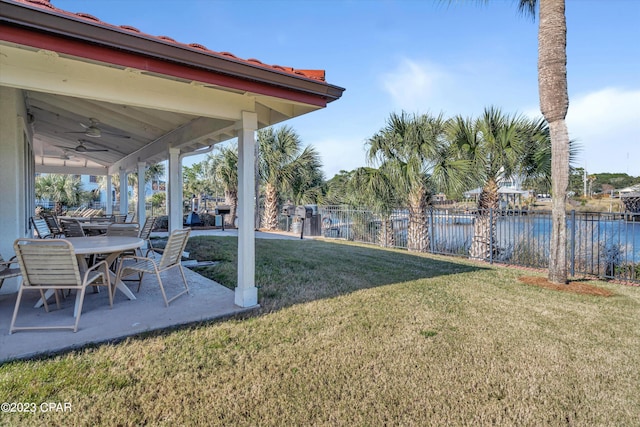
606 245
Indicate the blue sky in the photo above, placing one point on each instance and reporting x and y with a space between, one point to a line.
419 56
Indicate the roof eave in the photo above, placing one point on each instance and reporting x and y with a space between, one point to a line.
101 34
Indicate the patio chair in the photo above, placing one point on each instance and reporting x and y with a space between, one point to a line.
131 216
6 271
171 258
52 265
120 218
52 223
71 228
131 229
145 233
103 218
41 228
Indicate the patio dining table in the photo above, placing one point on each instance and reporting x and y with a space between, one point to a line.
112 246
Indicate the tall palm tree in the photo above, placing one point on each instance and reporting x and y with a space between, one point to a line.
413 152
554 103
497 146
283 166
62 189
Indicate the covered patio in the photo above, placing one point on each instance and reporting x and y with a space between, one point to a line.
85 97
99 323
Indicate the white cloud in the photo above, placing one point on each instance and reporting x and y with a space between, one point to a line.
412 84
606 124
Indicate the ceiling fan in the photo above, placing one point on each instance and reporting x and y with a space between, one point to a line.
94 131
81 148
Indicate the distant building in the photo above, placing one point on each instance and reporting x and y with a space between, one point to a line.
510 191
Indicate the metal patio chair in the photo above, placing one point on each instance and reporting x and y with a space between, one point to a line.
145 233
52 265
52 223
71 228
6 271
40 226
171 258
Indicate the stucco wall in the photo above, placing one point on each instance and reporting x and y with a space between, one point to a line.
16 184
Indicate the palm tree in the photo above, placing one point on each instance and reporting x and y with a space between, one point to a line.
154 173
414 154
497 146
283 166
374 188
554 103
62 189
224 165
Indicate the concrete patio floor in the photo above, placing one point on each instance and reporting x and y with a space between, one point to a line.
99 323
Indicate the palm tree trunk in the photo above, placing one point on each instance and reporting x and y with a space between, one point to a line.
385 234
231 199
485 222
554 103
559 181
270 218
418 230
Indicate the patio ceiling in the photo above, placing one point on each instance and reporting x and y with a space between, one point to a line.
60 123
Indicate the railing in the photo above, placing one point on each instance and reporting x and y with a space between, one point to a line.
606 245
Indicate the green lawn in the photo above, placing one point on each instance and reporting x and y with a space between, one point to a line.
355 335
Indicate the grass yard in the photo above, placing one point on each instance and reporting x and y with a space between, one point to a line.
357 335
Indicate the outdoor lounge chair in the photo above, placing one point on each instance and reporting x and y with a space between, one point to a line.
52 265
171 258
6 271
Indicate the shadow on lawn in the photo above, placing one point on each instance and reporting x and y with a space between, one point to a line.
296 271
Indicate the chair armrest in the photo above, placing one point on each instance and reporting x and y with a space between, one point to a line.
13 260
135 257
95 267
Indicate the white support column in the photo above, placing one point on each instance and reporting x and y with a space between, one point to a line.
124 192
109 191
246 291
174 190
141 216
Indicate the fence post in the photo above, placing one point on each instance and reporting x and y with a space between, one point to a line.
573 242
432 234
491 236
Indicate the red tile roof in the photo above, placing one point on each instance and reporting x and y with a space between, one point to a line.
317 75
